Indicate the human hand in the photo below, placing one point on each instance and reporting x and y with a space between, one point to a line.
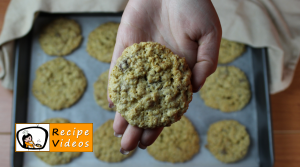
190 28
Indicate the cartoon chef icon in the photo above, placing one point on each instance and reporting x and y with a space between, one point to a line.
27 140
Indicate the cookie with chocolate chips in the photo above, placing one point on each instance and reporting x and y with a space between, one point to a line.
101 41
178 143
60 37
150 86
100 90
228 141
59 83
227 89
229 51
106 146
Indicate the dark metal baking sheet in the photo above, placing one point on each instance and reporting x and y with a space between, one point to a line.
260 93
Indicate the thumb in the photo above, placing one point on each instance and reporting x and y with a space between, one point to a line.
207 59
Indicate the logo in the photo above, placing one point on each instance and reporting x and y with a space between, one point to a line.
54 137
32 137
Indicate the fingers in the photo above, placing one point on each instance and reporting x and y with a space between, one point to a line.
134 136
120 125
131 134
207 59
200 72
149 136
131 137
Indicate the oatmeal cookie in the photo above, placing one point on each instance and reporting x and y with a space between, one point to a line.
229 51
56 120
150 86
59 83
226 89
178 143
106 145
100 91
228 141
101 41
60 37
57 158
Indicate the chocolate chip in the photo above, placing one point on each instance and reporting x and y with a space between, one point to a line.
242 80
178 148
151 104
123 65
223 151
224 73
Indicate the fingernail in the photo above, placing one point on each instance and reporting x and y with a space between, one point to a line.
110 105
117 135
124 152
142 146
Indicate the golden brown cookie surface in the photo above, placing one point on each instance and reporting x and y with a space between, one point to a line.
178 143
106 146
228 141
101 41
56 120
59 83
227 89
60 37
100 91
150 86
229 51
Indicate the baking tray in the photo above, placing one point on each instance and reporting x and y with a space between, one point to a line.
255 116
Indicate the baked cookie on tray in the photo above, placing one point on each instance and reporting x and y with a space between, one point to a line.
101 41
150 86
178 143
58 83
228 141
106 146
227 89
100 91
57 158
60 37
230 50
56 120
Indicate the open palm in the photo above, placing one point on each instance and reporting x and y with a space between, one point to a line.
190 28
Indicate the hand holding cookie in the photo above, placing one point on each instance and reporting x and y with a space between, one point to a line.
191 29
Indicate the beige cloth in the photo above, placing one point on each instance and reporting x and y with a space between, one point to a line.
259 23
274 24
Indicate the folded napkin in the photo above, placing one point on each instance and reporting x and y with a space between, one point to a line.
259 23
